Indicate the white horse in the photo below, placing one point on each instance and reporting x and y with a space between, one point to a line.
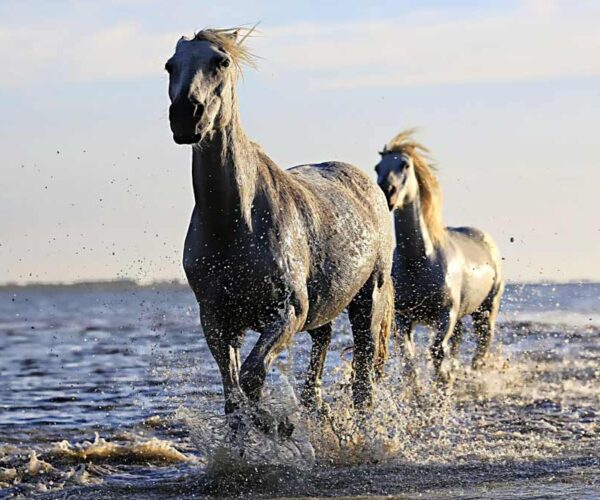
270 250
440 274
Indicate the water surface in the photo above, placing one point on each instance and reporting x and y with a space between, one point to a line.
110 390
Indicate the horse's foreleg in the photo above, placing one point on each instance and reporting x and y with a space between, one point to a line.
254 369
272 339
225 348
311 394
404 333
456 340
445 329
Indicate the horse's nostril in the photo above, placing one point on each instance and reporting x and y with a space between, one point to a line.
198 109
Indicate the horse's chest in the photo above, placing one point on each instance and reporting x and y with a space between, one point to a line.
419 293
236 277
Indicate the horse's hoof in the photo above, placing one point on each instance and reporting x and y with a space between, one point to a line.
236 423
443 381
264 421
285 429
478 364
324 412
454 365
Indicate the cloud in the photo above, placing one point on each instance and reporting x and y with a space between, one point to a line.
538 41
63 53
535 40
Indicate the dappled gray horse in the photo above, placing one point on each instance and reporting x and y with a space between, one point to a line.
440 274
269 250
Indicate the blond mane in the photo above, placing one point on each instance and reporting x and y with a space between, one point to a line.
430 192
226 39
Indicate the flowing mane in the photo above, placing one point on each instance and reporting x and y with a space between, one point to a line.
226 39
429 187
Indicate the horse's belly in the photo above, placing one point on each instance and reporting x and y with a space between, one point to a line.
420 294
331 289
325 307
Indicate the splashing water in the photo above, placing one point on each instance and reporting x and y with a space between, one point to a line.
250 447
113 392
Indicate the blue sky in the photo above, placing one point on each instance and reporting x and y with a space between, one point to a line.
507 96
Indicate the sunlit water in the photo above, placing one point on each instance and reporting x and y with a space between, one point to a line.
111 391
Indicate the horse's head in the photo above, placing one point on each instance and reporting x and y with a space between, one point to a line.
396 177
202 74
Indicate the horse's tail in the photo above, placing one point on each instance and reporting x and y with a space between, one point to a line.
387 325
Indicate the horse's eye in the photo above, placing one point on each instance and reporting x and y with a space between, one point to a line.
221 62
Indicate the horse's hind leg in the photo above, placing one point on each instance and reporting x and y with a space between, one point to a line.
311 394
367 313
484 321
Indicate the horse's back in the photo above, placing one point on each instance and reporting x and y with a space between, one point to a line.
342 178
346 220
481 266
342 192
477 245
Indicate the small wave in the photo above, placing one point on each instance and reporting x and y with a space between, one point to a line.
32 474
153 450
84 463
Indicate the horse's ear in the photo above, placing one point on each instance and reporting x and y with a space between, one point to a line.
233 35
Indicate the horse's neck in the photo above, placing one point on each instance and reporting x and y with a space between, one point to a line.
413 243
224 171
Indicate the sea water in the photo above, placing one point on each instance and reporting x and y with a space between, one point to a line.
110 390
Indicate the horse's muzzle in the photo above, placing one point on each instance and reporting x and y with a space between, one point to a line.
187 139
391 193
184 117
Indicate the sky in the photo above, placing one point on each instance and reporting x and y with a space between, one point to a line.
505 94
